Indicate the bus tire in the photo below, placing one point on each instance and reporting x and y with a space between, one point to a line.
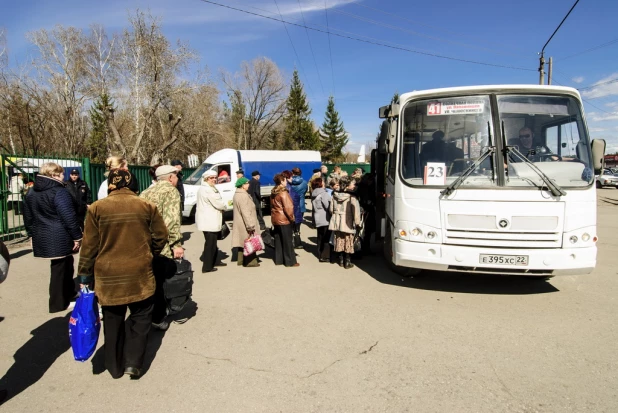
388 257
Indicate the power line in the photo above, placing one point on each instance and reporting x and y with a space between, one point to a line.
420 23
560 25
292 43
592 49
592 104
376 43
330 50
311 47
598 84
393 27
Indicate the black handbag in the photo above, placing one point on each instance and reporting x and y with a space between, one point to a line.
268 237
225 231
178 288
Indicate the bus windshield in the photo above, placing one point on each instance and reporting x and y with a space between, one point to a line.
443 137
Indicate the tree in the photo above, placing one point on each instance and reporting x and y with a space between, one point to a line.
257 102
97 143
298 132
333 135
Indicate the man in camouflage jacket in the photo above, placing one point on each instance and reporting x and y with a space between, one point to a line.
167 199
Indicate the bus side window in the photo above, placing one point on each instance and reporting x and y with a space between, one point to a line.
391 164
551 139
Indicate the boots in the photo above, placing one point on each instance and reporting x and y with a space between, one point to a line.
340 258
348 262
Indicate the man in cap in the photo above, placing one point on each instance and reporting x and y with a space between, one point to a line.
240 174
81 194
167 199
255 189
180 186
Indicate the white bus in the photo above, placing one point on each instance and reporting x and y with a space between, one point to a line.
488 179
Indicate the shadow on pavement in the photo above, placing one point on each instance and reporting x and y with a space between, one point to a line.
456 282
21 253
186 236
49 341
155 339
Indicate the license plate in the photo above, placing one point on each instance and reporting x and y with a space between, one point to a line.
503 259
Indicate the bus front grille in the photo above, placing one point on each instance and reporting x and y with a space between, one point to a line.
503 239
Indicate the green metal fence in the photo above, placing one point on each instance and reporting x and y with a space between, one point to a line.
19 172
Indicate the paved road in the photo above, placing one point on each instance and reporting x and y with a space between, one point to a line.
322 339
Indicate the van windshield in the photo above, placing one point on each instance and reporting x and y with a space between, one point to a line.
194 178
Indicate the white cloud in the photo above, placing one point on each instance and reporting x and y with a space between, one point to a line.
578 79
602 117
611 104
593 130
604 88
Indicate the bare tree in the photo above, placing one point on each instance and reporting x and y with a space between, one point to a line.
100 61
257 93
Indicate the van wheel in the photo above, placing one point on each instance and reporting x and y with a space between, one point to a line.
388 257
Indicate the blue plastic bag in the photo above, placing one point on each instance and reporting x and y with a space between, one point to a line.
84 325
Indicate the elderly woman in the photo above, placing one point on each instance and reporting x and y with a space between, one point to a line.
51 221
245 222
321 210
208 218
122 234
345 217
282 218
112 163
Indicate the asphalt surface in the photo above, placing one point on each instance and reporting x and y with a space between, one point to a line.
319 338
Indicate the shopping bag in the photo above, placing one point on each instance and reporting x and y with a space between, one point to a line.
225 231
178 288
84 325
268 237
252 245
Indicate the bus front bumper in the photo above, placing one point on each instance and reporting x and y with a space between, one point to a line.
541 262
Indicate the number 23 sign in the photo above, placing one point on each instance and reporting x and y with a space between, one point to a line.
435 173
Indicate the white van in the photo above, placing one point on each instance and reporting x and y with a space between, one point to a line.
228 161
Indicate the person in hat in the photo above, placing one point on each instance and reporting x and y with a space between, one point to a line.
245 222
255 190
116 162
167 199
121 236
176 163
208 219
78 188
240 174
223 177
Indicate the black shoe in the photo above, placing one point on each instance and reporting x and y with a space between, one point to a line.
133 372
348 263
324 260
341 260
213 270
3 395
163 325
220 264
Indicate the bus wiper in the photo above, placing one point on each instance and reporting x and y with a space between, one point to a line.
464 175
554 188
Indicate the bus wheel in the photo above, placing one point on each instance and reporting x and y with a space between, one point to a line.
388 257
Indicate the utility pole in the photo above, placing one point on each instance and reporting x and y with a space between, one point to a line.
542 58
549 69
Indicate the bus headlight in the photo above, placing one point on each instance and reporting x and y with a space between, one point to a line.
417 232
431 235
585 237
403 233
573 239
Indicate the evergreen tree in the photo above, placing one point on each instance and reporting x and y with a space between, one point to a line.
298 132
97 143
333 135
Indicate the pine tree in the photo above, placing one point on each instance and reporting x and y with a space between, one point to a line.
97 143
298 132
333 135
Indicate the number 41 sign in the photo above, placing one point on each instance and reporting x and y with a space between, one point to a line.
435 173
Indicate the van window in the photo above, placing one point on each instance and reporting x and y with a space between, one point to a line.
224 173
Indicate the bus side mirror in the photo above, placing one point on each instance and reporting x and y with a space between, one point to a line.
392 135
598 154
383 138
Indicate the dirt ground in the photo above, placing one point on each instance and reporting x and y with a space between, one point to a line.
319 338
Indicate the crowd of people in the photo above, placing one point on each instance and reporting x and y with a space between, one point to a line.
129 241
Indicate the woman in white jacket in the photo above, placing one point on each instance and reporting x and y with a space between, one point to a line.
208 218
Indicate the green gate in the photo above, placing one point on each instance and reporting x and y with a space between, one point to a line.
18 173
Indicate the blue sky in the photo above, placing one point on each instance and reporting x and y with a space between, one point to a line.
364 76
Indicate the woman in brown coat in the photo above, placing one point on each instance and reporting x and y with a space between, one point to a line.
122 233
245 221
345 217
282 218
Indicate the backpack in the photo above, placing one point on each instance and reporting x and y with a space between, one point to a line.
178 288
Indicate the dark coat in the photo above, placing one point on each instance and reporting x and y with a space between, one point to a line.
298 213
255 190
81 196
50 219
181 189
123 233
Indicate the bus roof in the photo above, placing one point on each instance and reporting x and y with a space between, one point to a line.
448 91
